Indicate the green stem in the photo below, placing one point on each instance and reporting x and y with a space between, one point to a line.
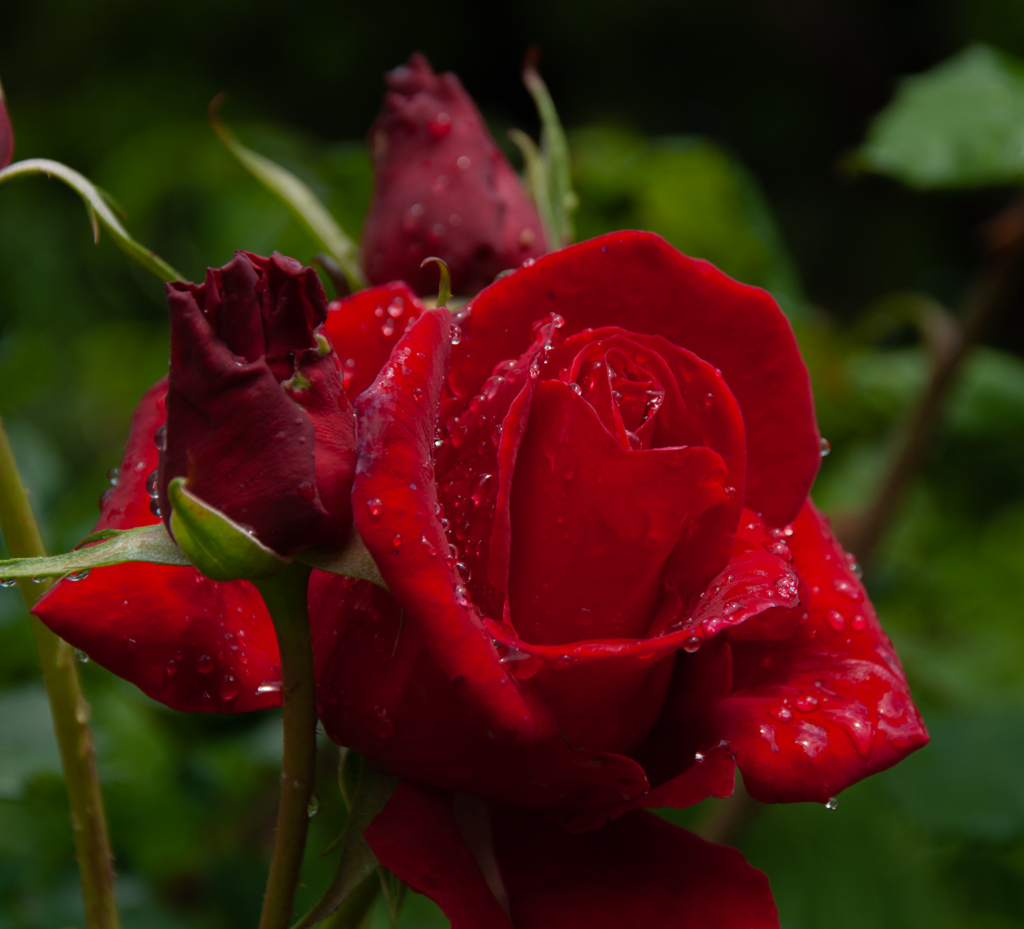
68 709
285 597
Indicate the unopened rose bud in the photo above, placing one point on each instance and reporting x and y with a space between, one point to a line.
6 133
442 187
257 421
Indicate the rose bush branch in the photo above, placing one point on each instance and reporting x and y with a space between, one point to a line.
1005 234
68 709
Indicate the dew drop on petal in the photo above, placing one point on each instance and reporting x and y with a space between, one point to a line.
80 656
691 644
836 620
171 668
833 803
825 447
428 547
375 506
204 664
858 623
807 703
228 689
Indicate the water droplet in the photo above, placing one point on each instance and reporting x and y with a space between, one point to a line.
807 703
698 757
306 490
848 589
855 568
464 571
463 162
396 308
825 447
691 644
160 437
314 806
767 733
228 689
269 687
154 507
80 656
833 802
79 575
456 335
461 595
151 485
782 713
428 547
781 549
375 506
40 580
7 581
396 540
204 664
382 723
112 476
131 643
417 394
858 623
812 739
787 586
171 668
836 620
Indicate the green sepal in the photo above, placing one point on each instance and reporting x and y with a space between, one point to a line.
353 560
149 544
357 860
215 544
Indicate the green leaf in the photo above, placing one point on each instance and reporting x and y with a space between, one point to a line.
554 152
959 125
98 210
357 862
149 544
692 192
27 746
298 197
216 544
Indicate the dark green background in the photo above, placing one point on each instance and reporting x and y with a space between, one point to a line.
725 127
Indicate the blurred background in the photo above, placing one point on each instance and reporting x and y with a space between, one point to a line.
775 139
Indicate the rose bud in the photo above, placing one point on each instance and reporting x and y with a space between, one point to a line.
6 133
442 187
257 421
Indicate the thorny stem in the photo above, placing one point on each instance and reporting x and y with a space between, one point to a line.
285 598
68 709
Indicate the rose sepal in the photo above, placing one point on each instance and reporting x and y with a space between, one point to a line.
214 543
150 544
351 560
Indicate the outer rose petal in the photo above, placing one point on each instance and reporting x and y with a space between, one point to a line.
395 510
812 714
191 643
637 871
365 327
638 278
382 693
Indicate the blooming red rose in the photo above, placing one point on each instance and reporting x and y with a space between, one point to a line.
442 187
257 420
6 133
606 580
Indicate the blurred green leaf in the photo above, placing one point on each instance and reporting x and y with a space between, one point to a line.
688 190
27 745
959 125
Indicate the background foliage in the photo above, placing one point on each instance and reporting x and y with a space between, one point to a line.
734 129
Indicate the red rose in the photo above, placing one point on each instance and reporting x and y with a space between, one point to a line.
606 581
442 187
256 416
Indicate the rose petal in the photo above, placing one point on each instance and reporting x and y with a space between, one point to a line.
593 524
814 713
526 871
416 838
639 277
365 327
382 693
395 511
191 643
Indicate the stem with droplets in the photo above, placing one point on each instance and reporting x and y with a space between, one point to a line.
68 709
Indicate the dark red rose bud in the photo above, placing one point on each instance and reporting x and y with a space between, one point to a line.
6 134
442 187
257 421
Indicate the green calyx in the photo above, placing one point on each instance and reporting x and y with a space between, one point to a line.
215 544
